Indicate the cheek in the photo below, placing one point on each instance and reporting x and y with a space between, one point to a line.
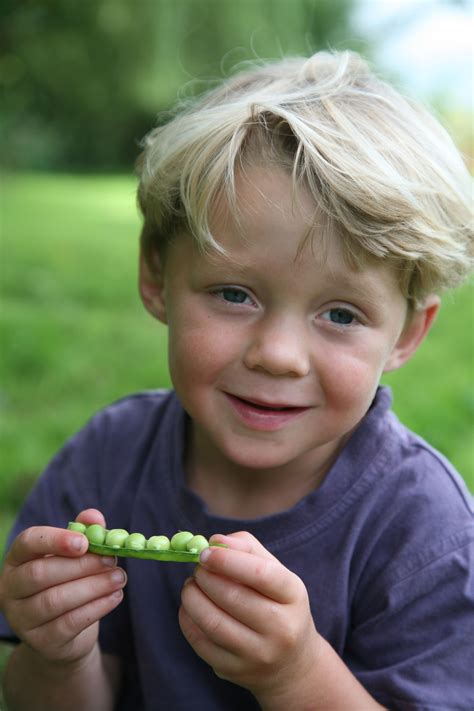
199 353
350 382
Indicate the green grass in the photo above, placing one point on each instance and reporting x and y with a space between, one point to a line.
74 335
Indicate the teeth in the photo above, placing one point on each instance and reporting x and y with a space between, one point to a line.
269 407
265 407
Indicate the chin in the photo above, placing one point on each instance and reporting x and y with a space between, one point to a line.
258 458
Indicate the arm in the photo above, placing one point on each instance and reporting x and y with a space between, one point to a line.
248 617
53 595
32 682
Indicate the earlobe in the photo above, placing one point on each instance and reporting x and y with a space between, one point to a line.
413 334
151 286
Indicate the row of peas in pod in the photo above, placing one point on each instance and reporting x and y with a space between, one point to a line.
118 539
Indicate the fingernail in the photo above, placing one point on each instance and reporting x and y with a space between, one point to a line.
108 561
204 555
118 576
77 542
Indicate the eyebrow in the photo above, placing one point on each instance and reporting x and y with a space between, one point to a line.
357 284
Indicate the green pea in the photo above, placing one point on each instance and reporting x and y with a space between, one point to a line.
158 543
197 544
116 537
136 541
96 534
78 527
184 547
180 540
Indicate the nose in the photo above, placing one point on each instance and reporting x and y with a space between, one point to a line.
279 347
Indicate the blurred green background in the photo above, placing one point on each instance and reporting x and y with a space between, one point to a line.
82 82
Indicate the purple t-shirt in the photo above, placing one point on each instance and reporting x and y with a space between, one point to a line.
385 547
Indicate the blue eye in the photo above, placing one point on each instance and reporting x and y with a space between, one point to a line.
233 295
341 317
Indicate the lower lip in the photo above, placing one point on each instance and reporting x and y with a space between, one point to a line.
264 420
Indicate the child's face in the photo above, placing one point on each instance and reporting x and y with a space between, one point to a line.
276 356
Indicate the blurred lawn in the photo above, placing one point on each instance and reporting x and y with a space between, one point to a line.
75 336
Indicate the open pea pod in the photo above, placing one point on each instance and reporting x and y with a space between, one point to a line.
182 548
144 554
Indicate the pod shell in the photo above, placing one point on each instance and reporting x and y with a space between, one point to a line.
170 555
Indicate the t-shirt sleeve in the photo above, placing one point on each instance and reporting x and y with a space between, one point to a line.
70 484
427 607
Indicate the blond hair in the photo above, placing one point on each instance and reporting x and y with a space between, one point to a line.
380 167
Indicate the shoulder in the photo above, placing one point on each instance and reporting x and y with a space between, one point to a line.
402 470
424 482
411 574
129 421
419 517
398 479
117 441
134 409
105 460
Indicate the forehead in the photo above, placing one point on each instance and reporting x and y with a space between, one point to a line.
271 234
264 198
267 219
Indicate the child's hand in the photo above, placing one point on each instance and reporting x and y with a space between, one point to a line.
248 617
53 593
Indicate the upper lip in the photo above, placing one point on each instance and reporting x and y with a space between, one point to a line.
266 403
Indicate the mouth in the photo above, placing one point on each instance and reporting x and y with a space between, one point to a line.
268 407
261 415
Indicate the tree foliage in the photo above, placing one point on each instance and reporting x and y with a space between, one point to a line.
83 81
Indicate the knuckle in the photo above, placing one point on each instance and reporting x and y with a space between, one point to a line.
51 600
291 637
34 638
70 623
273 615
234 596
36 572
224 671
213 625
262 571
243 534
88 563
26 537
265 656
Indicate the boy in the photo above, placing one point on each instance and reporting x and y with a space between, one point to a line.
299 224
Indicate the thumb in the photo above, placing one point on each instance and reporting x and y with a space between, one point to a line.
90 516
242 541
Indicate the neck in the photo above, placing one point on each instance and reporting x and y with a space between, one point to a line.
233 491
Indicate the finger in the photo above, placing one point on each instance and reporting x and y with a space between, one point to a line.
242 603
90 516
242 541
67 627
209 651
45 540
266 575
214 623
54 602
48 571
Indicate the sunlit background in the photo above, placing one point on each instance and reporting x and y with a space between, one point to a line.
428 44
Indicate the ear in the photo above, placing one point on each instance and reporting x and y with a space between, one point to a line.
151 285
413 334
